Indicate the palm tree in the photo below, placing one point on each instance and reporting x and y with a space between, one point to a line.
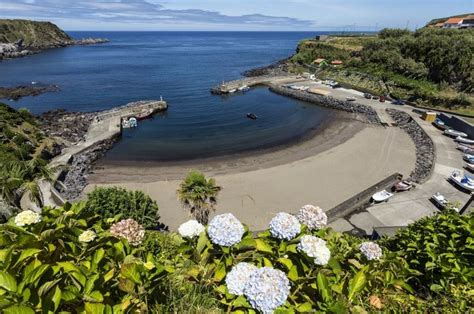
198 195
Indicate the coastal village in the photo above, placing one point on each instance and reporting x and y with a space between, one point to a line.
395 165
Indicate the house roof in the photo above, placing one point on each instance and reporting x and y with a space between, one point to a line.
454 20
336 62
319 60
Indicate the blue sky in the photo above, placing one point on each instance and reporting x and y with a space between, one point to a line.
271 15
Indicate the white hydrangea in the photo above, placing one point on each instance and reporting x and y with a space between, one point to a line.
191 229
312 216
371 250
225 230
87 236
27 217
238 277
316 248
284 226
267 289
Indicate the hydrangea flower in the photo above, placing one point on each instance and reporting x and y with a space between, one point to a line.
27 217
371 250
312 216
267 289
316 248
284 226
191 229
225 230
238 277
130 230
87 236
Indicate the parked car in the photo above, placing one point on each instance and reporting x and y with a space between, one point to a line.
368 96
382 98
375 97
398 102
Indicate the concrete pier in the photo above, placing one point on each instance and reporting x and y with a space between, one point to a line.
227 87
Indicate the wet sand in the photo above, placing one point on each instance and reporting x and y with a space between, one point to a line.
331 166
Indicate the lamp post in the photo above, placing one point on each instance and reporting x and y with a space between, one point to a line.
468 203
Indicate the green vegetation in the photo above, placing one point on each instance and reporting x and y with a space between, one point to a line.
22 151
114 201
72 259
433 67
35 35
198 195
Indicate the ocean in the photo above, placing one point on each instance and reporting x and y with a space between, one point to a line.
181 67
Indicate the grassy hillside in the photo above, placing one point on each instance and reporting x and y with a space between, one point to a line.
35 35
433 67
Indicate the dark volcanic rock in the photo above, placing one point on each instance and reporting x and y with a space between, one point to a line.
425 151
326 101
277 68
70 126
18 92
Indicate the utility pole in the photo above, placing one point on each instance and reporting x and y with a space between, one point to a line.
467 205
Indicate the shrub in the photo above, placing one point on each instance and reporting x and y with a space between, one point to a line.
113 201
66 260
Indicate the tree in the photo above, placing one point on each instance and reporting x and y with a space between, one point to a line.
198 195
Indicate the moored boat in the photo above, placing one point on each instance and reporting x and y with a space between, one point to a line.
244 88
381 196
464 140
466 149
232 90
463 181
454 133
440 124
251 116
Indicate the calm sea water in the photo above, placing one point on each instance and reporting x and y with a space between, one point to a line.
181 67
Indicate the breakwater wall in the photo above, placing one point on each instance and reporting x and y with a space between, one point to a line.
369 113
425 149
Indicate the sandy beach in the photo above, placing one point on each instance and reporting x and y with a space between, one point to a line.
323 170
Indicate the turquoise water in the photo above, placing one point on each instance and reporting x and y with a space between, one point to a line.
181 67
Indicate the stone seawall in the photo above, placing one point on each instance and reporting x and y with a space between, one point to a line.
369 113
425 149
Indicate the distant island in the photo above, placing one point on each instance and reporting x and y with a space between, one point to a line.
19 38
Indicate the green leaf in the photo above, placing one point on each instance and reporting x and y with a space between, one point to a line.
220 272
357 284
293 273
323 286
98 256
286 261
4 254
27 253
436 288
131 271
7 282
56 298
263 246
34 275
94 308
18 309
304 308
202 242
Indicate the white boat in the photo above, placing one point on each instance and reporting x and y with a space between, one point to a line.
382 196
464 140
454 133
350 98
34 83
231 91
441 201
440 124
466 149
244 88
469 158
462 180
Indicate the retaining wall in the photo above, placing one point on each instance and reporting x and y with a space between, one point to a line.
458 124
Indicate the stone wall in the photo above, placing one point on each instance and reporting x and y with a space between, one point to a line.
349 106
425 149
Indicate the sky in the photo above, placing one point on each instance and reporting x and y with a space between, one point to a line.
245 15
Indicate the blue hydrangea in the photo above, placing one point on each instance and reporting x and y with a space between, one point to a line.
225 230
267 289
371 250
316 248
237 278
284 226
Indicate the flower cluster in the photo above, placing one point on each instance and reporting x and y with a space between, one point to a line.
371 250
225 230
27 217
316 248
284 226
130 230
266 289
238 277
87 236
313 217
191 229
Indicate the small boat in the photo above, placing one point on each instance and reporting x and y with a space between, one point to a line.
350 98
470 167
462 139
454 133
251 116
440 124
441 201
232 90
34 83
244 88
403 185
381 196
129 123
469 158
463 181
466 149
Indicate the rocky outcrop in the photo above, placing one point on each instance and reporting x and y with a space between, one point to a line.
69 126
367 112
75 179
18 92
425 150
278 68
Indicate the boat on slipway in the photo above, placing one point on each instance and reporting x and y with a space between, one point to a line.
463 181
454 133
440 124
381 196
462 139
441 201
